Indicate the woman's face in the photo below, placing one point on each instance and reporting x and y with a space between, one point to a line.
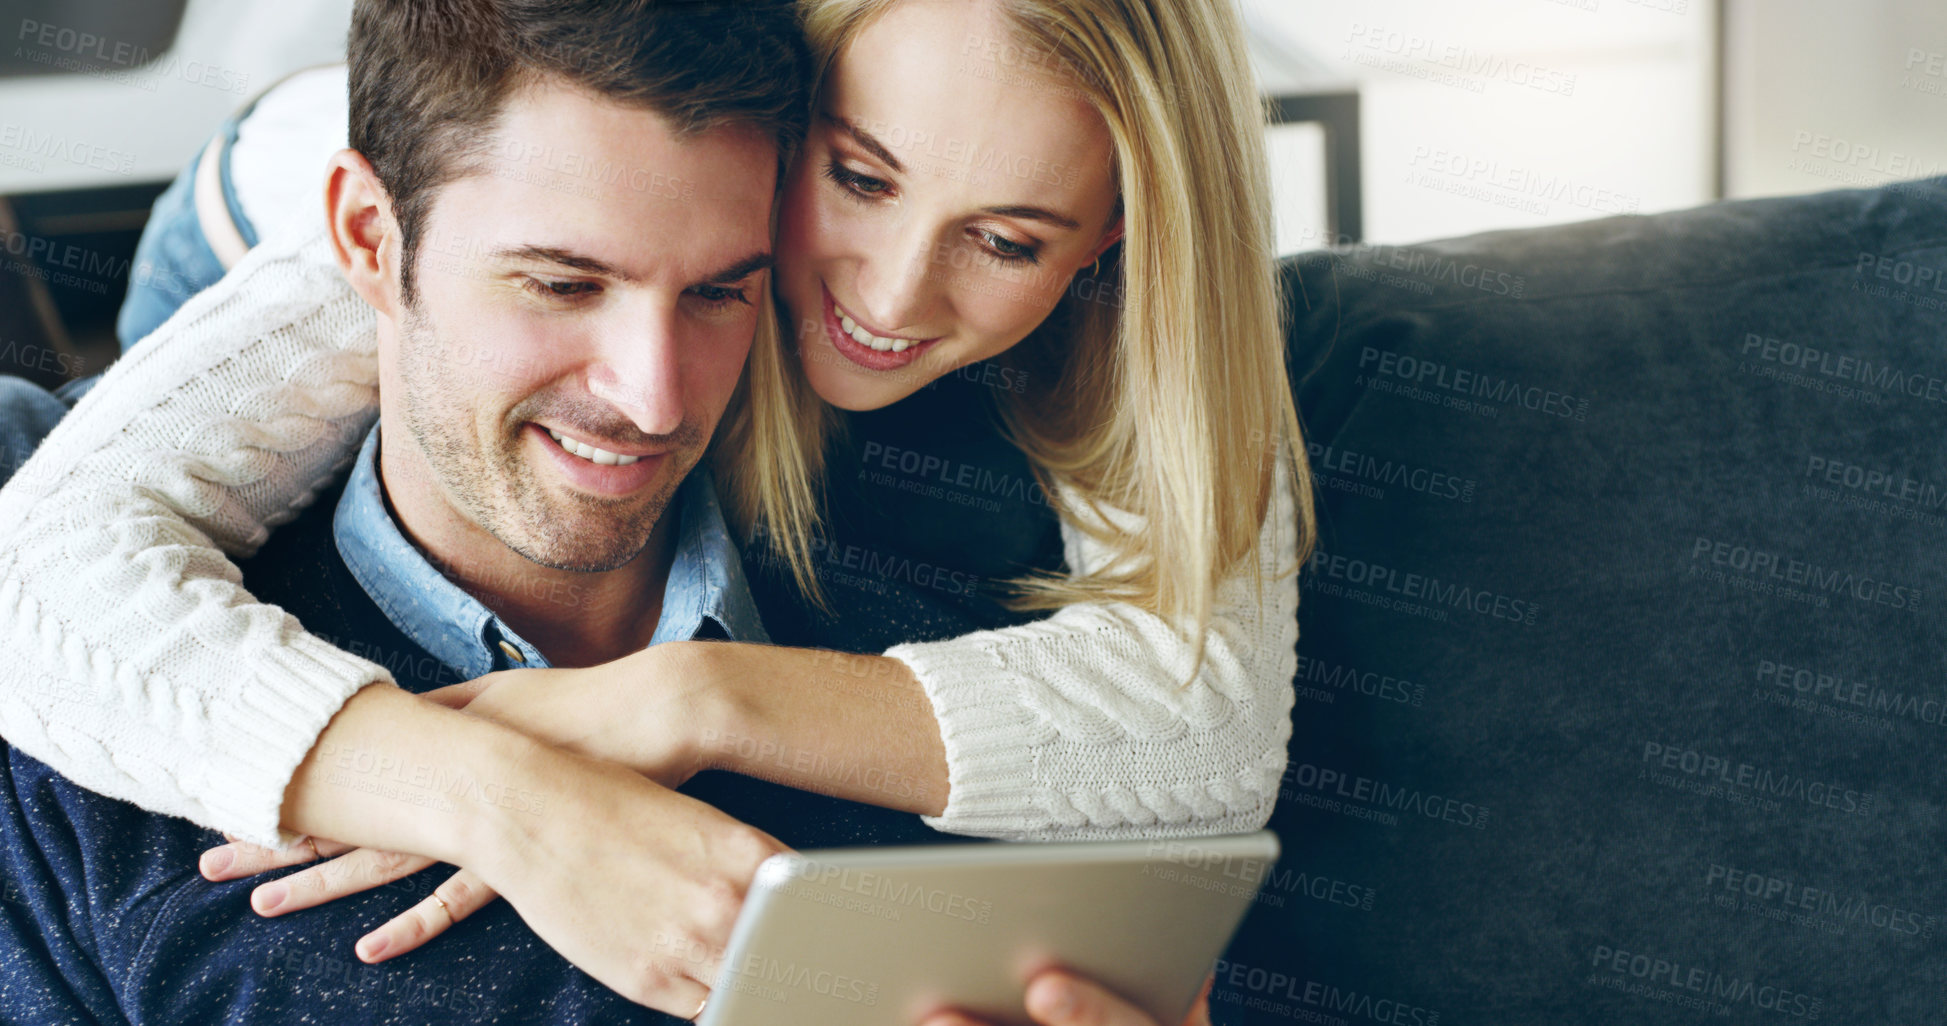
951 187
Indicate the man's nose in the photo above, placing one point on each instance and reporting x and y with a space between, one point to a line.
896 284
637 370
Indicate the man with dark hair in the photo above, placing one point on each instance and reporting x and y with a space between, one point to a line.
428 80
552 365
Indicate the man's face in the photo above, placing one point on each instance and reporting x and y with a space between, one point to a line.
583 309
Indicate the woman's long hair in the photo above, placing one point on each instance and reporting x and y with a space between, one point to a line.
1160 388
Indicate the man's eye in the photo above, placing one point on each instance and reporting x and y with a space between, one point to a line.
553 289
720 295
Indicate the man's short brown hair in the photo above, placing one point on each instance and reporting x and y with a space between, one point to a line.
430 77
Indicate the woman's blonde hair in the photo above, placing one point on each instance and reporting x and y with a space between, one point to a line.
1173 404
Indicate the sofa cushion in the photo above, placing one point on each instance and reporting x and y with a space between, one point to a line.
1623 683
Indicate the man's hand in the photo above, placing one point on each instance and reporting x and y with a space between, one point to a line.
1057 997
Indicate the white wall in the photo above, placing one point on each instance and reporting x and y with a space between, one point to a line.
1484 114
74 131
1827 95
1479 114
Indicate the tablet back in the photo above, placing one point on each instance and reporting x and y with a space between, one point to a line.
884 936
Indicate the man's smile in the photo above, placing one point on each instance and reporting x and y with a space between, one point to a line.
592 468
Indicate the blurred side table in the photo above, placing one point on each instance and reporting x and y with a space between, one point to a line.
1299 88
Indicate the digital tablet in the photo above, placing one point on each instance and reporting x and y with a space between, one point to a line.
886 936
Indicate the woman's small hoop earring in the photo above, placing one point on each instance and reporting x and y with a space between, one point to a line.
1095 271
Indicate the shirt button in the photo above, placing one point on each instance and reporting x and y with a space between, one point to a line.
512 652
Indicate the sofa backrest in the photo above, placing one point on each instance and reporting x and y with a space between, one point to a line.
1623 680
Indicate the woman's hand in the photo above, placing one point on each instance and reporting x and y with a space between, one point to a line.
630 711
634 883
352 871
1057 997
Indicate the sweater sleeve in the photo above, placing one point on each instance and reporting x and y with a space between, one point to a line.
1077 727
139 667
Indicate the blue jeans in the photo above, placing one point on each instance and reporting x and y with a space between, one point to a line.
28 412
174 261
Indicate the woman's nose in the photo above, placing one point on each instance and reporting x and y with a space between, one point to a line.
897 283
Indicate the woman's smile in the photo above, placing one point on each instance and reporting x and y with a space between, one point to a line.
866 347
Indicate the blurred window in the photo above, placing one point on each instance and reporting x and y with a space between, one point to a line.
87 37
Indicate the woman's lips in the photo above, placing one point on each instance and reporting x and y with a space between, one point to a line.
864 355
588 476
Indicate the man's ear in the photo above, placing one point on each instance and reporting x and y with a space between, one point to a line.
364 234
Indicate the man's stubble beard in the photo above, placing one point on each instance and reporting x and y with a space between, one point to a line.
499 491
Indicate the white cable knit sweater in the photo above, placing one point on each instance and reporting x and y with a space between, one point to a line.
141 668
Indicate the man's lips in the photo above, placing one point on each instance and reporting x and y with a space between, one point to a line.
585 442
859 353
586 475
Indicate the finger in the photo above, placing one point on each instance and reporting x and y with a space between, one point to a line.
361 870
688 959
952 1019
677 993
683 998
460 896
689 968
1059 998
240 859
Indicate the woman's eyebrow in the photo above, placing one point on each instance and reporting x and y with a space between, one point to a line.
876 148
865 139
1034 214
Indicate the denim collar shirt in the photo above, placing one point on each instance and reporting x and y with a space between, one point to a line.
707 594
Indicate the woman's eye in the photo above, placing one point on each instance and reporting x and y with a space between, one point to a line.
1009 250
851 181
552 289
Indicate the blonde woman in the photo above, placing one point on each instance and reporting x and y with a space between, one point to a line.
1073 189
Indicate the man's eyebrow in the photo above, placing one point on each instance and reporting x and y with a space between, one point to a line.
584 264
1035 214
740 270
865 139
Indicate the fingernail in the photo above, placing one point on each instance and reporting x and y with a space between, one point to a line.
216 860
371 948
268 897
1061 1000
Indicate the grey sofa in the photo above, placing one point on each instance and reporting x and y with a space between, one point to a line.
1623 689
